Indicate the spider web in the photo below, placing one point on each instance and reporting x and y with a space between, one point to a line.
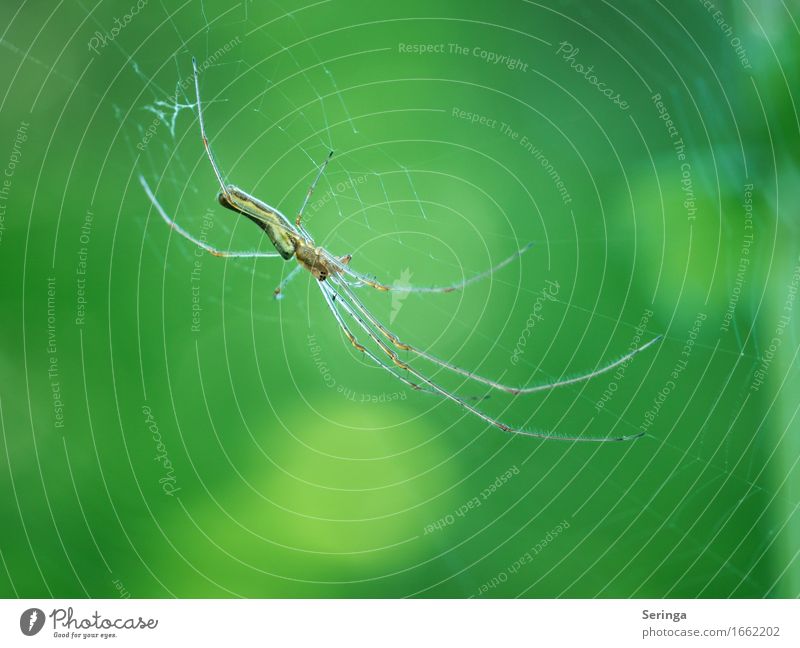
355 201
367 197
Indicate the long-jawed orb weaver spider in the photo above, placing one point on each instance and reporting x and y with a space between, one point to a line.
336 279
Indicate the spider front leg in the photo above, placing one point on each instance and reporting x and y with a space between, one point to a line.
201 244
203 135
278 292
299 219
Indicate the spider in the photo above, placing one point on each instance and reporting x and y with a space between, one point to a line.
336 280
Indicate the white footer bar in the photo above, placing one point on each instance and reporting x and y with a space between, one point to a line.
389 623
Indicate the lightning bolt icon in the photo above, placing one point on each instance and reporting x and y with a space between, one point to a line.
32 620
398 297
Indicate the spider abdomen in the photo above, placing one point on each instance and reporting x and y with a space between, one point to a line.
275 225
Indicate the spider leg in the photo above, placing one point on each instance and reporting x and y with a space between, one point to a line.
207 146
193 239
478 378
278 292
373 283
310 192
450 395
329 300
229 202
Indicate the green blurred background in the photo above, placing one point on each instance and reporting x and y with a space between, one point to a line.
152 449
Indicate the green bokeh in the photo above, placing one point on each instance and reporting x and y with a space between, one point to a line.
304 471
